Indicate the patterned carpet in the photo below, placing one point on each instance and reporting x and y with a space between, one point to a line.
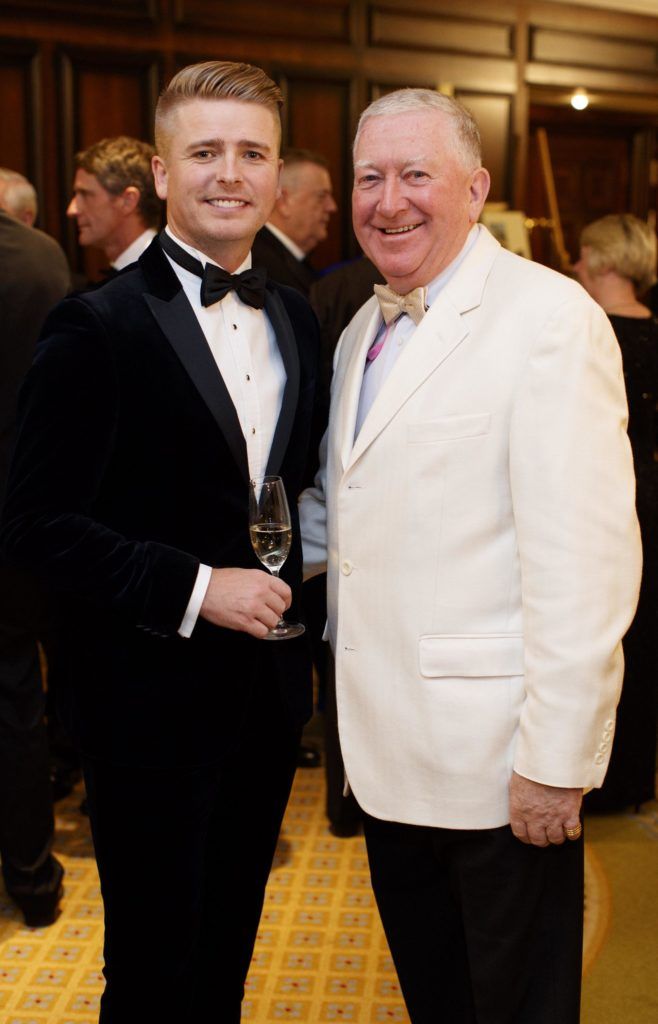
320 956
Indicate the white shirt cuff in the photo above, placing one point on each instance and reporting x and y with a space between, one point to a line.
195 602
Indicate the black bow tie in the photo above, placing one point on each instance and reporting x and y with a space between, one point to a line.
215 282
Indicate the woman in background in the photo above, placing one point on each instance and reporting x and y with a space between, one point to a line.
617 264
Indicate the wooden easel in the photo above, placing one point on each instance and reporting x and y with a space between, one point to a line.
553 223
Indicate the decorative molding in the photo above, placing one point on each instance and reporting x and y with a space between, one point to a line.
416 31
86 10
592 51
326 21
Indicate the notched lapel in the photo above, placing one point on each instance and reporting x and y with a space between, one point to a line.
285 337
439 333
178 323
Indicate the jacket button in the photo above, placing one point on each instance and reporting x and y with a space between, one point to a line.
346 567
599 759
610 724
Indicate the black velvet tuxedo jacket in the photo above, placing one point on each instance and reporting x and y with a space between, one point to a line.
280 264
131 469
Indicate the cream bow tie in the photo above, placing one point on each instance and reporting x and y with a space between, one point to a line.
392 304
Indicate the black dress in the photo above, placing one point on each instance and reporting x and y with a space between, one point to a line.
631 776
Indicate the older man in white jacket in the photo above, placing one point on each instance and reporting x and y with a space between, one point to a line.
475 507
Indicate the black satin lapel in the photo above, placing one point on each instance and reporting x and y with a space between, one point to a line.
181 328
285 337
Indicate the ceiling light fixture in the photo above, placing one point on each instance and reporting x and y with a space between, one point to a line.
579 99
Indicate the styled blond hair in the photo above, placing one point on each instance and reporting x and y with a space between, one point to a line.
408 101
215 80
622 243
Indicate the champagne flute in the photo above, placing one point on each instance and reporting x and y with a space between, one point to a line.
270 529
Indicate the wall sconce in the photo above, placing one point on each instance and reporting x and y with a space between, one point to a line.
579 99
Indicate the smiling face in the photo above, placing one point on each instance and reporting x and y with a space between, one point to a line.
414 200
219 175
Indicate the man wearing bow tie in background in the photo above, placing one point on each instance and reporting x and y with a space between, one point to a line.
476 507
151 403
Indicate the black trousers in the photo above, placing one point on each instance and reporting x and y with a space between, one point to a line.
482 928
183 856
26 810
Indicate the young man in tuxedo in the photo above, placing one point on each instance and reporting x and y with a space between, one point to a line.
476 506
151 403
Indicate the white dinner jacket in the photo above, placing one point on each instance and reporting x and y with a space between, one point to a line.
482 546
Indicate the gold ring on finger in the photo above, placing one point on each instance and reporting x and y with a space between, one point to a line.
574 833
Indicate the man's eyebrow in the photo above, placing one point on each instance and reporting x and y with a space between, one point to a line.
360 164
218 143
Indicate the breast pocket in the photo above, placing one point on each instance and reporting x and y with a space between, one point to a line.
449 428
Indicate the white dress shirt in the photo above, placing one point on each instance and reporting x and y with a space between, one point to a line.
398 334
134 250
244 346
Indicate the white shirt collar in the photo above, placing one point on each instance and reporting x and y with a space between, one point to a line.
298 253
134 250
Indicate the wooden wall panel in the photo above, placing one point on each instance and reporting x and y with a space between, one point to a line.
332 56
119 10
20 123
391 28
324 20
593 51
18 126
318 117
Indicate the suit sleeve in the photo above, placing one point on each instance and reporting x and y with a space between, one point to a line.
573 494
66 423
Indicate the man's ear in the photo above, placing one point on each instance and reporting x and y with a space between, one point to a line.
130 199
159 169
479 190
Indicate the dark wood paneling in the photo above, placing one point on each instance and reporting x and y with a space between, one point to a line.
20 139
119 10
17 124
593 51
592 166
318 117
324 20
393 28
351 49
102 94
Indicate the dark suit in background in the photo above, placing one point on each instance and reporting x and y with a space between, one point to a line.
34 275
284 268
131 469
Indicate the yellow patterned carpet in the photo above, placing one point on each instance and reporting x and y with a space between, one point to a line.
320 955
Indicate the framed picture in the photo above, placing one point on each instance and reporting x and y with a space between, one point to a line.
509 228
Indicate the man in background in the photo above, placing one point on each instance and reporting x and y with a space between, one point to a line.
298 222
114 202
34 275
18 197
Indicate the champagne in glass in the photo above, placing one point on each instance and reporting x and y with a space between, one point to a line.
270 529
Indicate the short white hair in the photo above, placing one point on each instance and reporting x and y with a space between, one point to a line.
18 196
406 101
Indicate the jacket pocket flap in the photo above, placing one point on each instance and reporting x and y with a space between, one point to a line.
472 654
449 428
